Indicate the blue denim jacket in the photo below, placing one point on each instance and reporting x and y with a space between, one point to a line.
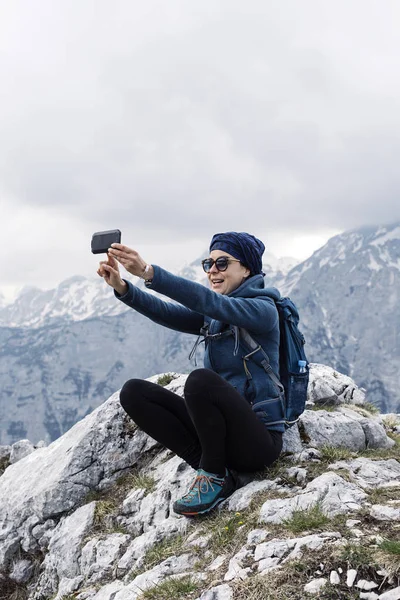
249 306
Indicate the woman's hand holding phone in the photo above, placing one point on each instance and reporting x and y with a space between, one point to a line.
109 270
131 260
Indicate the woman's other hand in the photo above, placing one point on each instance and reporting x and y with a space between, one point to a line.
109 270
130 259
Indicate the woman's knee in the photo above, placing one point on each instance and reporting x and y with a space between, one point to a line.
130 391
199 379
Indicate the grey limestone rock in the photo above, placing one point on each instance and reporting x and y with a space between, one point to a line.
20 450
144 581
385 513
64 552
292 548
99 555
343 428
242 497
219 592
393 594
236 570
371 474
334 494
51 481
315 586
291 441
328 386
351 577
22 571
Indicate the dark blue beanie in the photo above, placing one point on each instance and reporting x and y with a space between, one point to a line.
243 246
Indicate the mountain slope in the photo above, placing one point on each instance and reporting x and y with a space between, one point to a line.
348 292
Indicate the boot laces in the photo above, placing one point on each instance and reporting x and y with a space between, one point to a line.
201 485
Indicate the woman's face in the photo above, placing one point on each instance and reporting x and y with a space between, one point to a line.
225 282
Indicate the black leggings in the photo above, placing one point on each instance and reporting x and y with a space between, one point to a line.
211 428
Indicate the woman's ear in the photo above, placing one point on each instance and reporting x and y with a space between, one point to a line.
246 273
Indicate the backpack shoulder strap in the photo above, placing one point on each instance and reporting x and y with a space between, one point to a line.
250 344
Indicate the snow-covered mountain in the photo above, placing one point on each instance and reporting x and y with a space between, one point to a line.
349 293
63 351
79 298
76 299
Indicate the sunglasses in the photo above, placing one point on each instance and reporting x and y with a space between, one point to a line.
221 263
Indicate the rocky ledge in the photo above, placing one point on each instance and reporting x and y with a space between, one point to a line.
89 517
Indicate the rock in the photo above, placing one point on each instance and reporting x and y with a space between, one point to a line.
352 522
334 578
200 541
351 577
217 563
308 454
236 570
363 584
62 559
256 536
370 474
334 494
242 498
266 565
134 555
322 428
172 566
220 592
22 571
393 594
131 504
52 481
315 586
298 473
368 596
99 556
20 449
382 512
291 441
108 591
327 386
292 548
67 587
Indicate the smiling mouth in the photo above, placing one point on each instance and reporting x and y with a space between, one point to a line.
216 281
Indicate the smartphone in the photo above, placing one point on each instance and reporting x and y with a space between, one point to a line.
102 240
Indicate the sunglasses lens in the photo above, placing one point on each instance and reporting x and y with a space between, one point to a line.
207 264
221 263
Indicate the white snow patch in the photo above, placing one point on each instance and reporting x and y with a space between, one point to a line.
373 265
391 235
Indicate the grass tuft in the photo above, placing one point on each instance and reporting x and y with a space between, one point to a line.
331 454
357 556
162 550
371 408
304 520
4 463
170 589
165 379
391 547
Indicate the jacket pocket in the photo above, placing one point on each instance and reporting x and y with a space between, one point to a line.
271 410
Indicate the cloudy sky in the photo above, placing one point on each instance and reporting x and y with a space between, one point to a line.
172 120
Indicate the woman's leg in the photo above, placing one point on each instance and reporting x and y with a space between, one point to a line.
230 434
164 416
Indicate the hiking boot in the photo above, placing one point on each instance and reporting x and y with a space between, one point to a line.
205 493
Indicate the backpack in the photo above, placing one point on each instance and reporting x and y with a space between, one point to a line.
293 382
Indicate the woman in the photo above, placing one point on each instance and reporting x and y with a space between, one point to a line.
213 428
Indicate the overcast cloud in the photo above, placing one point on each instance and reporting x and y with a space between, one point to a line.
173 120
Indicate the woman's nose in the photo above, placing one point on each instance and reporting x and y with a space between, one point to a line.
214 269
